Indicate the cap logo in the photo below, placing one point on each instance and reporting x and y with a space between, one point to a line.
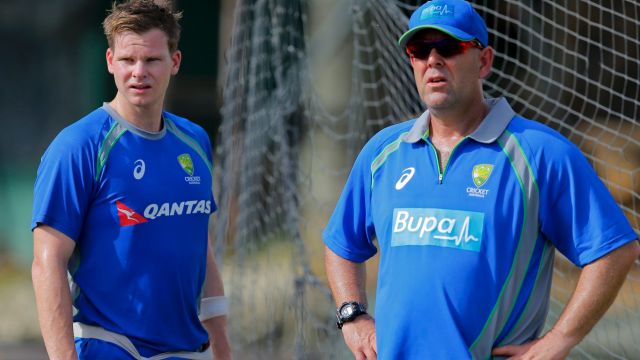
437 11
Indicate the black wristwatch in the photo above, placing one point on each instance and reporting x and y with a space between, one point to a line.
349 311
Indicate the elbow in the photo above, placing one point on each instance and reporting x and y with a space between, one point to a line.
636 249
629 253
44 267
38 269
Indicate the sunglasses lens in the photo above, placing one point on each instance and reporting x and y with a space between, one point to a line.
446 48
419 49
450 49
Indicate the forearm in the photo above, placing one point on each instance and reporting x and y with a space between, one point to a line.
347 279
597 288
53 301
217 329
217 325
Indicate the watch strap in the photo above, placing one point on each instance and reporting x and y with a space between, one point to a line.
357 309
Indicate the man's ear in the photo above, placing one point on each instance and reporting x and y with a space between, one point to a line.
176 58
486 62
109 57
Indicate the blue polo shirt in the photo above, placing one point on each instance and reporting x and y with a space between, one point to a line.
466 255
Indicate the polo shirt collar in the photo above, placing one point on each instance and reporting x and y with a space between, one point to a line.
491 127
151 135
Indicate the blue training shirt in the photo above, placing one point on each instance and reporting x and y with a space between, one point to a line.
466 256
137 204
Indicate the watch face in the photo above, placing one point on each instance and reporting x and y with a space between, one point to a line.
346 311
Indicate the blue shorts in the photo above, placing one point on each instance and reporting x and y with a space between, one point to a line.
94 349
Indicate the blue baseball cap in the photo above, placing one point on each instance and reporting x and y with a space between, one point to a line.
456 18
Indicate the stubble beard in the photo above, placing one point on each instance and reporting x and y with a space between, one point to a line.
438 100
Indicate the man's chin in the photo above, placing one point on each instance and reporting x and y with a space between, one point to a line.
140 102
437 102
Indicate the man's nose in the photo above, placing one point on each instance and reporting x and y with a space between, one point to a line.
435 59
139 70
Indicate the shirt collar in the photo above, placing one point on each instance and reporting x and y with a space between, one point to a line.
491 127
151 135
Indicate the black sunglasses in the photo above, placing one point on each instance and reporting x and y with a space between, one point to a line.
421 49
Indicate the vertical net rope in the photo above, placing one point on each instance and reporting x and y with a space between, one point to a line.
305 91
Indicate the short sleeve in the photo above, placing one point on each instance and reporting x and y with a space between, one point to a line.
578 214
64 184
350 232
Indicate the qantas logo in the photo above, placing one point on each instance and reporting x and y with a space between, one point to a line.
128 216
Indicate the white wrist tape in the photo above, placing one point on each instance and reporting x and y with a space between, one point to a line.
213 306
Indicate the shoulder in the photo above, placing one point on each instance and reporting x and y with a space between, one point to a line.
187 127
538 136
545 148
191 134
554 160
73 153
84 134
388 136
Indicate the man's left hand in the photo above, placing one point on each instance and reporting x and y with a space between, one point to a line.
548 347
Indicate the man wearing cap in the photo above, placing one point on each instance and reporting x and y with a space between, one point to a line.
468 203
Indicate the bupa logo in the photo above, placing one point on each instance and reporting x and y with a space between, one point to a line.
128 216
437 10
437 227
406 176
480 174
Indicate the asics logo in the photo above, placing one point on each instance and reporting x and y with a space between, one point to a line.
138 171
407 174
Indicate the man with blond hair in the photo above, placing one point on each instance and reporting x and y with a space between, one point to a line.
122 202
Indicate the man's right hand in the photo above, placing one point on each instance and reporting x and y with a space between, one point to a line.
360 336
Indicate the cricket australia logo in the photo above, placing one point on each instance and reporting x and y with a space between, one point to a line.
437 227
187 165
480 174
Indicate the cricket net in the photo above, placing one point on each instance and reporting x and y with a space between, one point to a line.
309 82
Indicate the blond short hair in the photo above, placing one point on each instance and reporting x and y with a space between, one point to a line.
140 16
